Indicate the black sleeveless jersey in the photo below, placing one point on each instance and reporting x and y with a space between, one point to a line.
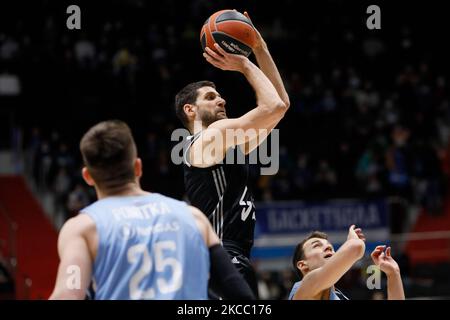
221 192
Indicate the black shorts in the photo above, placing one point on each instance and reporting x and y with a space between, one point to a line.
245 268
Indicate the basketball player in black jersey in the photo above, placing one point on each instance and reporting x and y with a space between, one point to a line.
216 187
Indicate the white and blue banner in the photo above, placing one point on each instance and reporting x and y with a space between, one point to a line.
280 226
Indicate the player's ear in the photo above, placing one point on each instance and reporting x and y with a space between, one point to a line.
302 265
138 167
87 176
189 110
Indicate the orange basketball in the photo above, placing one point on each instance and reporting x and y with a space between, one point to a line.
232 30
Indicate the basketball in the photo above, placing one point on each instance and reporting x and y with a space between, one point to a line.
232 30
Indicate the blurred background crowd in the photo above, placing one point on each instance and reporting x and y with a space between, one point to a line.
369 114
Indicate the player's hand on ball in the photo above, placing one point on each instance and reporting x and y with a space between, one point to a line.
259 43
225 61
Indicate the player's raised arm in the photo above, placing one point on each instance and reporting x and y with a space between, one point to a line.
75 267
269 104
268 66
338 264
383 259
270 107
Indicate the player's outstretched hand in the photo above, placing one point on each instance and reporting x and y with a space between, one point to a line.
224 60
383 259
260 43
355 233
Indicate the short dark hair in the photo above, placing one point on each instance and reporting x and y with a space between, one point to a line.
299 253
109 151
188 95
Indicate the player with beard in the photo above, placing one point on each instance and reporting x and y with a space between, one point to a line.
218 188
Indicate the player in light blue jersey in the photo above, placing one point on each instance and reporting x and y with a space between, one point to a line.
133 244
320 267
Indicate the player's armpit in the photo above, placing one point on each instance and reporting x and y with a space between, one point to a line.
244 128
211 147
254 143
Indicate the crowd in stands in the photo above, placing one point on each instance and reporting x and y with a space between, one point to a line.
369 116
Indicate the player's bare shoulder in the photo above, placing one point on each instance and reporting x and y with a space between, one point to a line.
80 226
204 226
210 147
200 219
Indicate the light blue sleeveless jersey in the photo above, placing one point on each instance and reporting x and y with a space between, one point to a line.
149 248
335 294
